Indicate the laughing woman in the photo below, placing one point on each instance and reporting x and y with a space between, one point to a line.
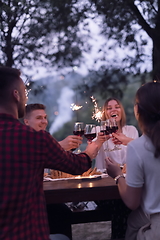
113 109
125 134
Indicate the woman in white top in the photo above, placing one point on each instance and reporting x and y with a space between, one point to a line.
113 109
140 190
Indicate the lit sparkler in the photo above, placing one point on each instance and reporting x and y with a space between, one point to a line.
27 92
75 107
97 113
27 89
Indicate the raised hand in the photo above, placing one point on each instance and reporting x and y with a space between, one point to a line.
120 138
92 149
71 142
101 138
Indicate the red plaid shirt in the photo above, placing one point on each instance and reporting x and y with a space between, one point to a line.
24 153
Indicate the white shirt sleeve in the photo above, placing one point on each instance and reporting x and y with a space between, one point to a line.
134 176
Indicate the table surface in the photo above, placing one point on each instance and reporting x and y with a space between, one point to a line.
73 190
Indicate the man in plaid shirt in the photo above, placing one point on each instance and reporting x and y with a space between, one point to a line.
59 215
24 153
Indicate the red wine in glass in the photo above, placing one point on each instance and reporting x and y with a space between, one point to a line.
113 129
79 133
90 136
104 132
103 128
90 132
109 130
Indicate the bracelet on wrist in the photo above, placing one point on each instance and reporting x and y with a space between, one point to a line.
119 176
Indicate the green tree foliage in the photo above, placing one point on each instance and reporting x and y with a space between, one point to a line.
48 32
123 21
40 32
104 83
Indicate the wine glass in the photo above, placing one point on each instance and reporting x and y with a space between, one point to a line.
104 129
90 132
79 131
112 129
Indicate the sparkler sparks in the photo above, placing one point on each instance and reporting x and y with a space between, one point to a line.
27 92
97 113
75 107
27 89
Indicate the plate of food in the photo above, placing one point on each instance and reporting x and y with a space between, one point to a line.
91 174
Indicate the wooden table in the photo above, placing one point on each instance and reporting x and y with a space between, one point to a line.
80 190
63 191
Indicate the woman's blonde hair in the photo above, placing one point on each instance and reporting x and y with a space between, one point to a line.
104 114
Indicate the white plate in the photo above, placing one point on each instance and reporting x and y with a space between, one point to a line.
87 178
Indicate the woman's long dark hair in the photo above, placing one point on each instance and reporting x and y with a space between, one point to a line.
148 109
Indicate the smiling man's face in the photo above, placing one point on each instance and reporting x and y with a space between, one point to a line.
37 119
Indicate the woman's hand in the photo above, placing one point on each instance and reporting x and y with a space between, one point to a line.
113 169
101 138
120 138
131 196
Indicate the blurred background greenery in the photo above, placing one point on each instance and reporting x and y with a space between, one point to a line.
70 50
48 92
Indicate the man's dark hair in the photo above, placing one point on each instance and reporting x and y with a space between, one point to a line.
32 107
8 76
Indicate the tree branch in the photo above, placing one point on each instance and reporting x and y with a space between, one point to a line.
142 22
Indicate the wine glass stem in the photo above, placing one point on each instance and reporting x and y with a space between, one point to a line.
78 149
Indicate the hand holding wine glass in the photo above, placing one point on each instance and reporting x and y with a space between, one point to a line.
79 131
113 129
104 129
71 142
90 132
